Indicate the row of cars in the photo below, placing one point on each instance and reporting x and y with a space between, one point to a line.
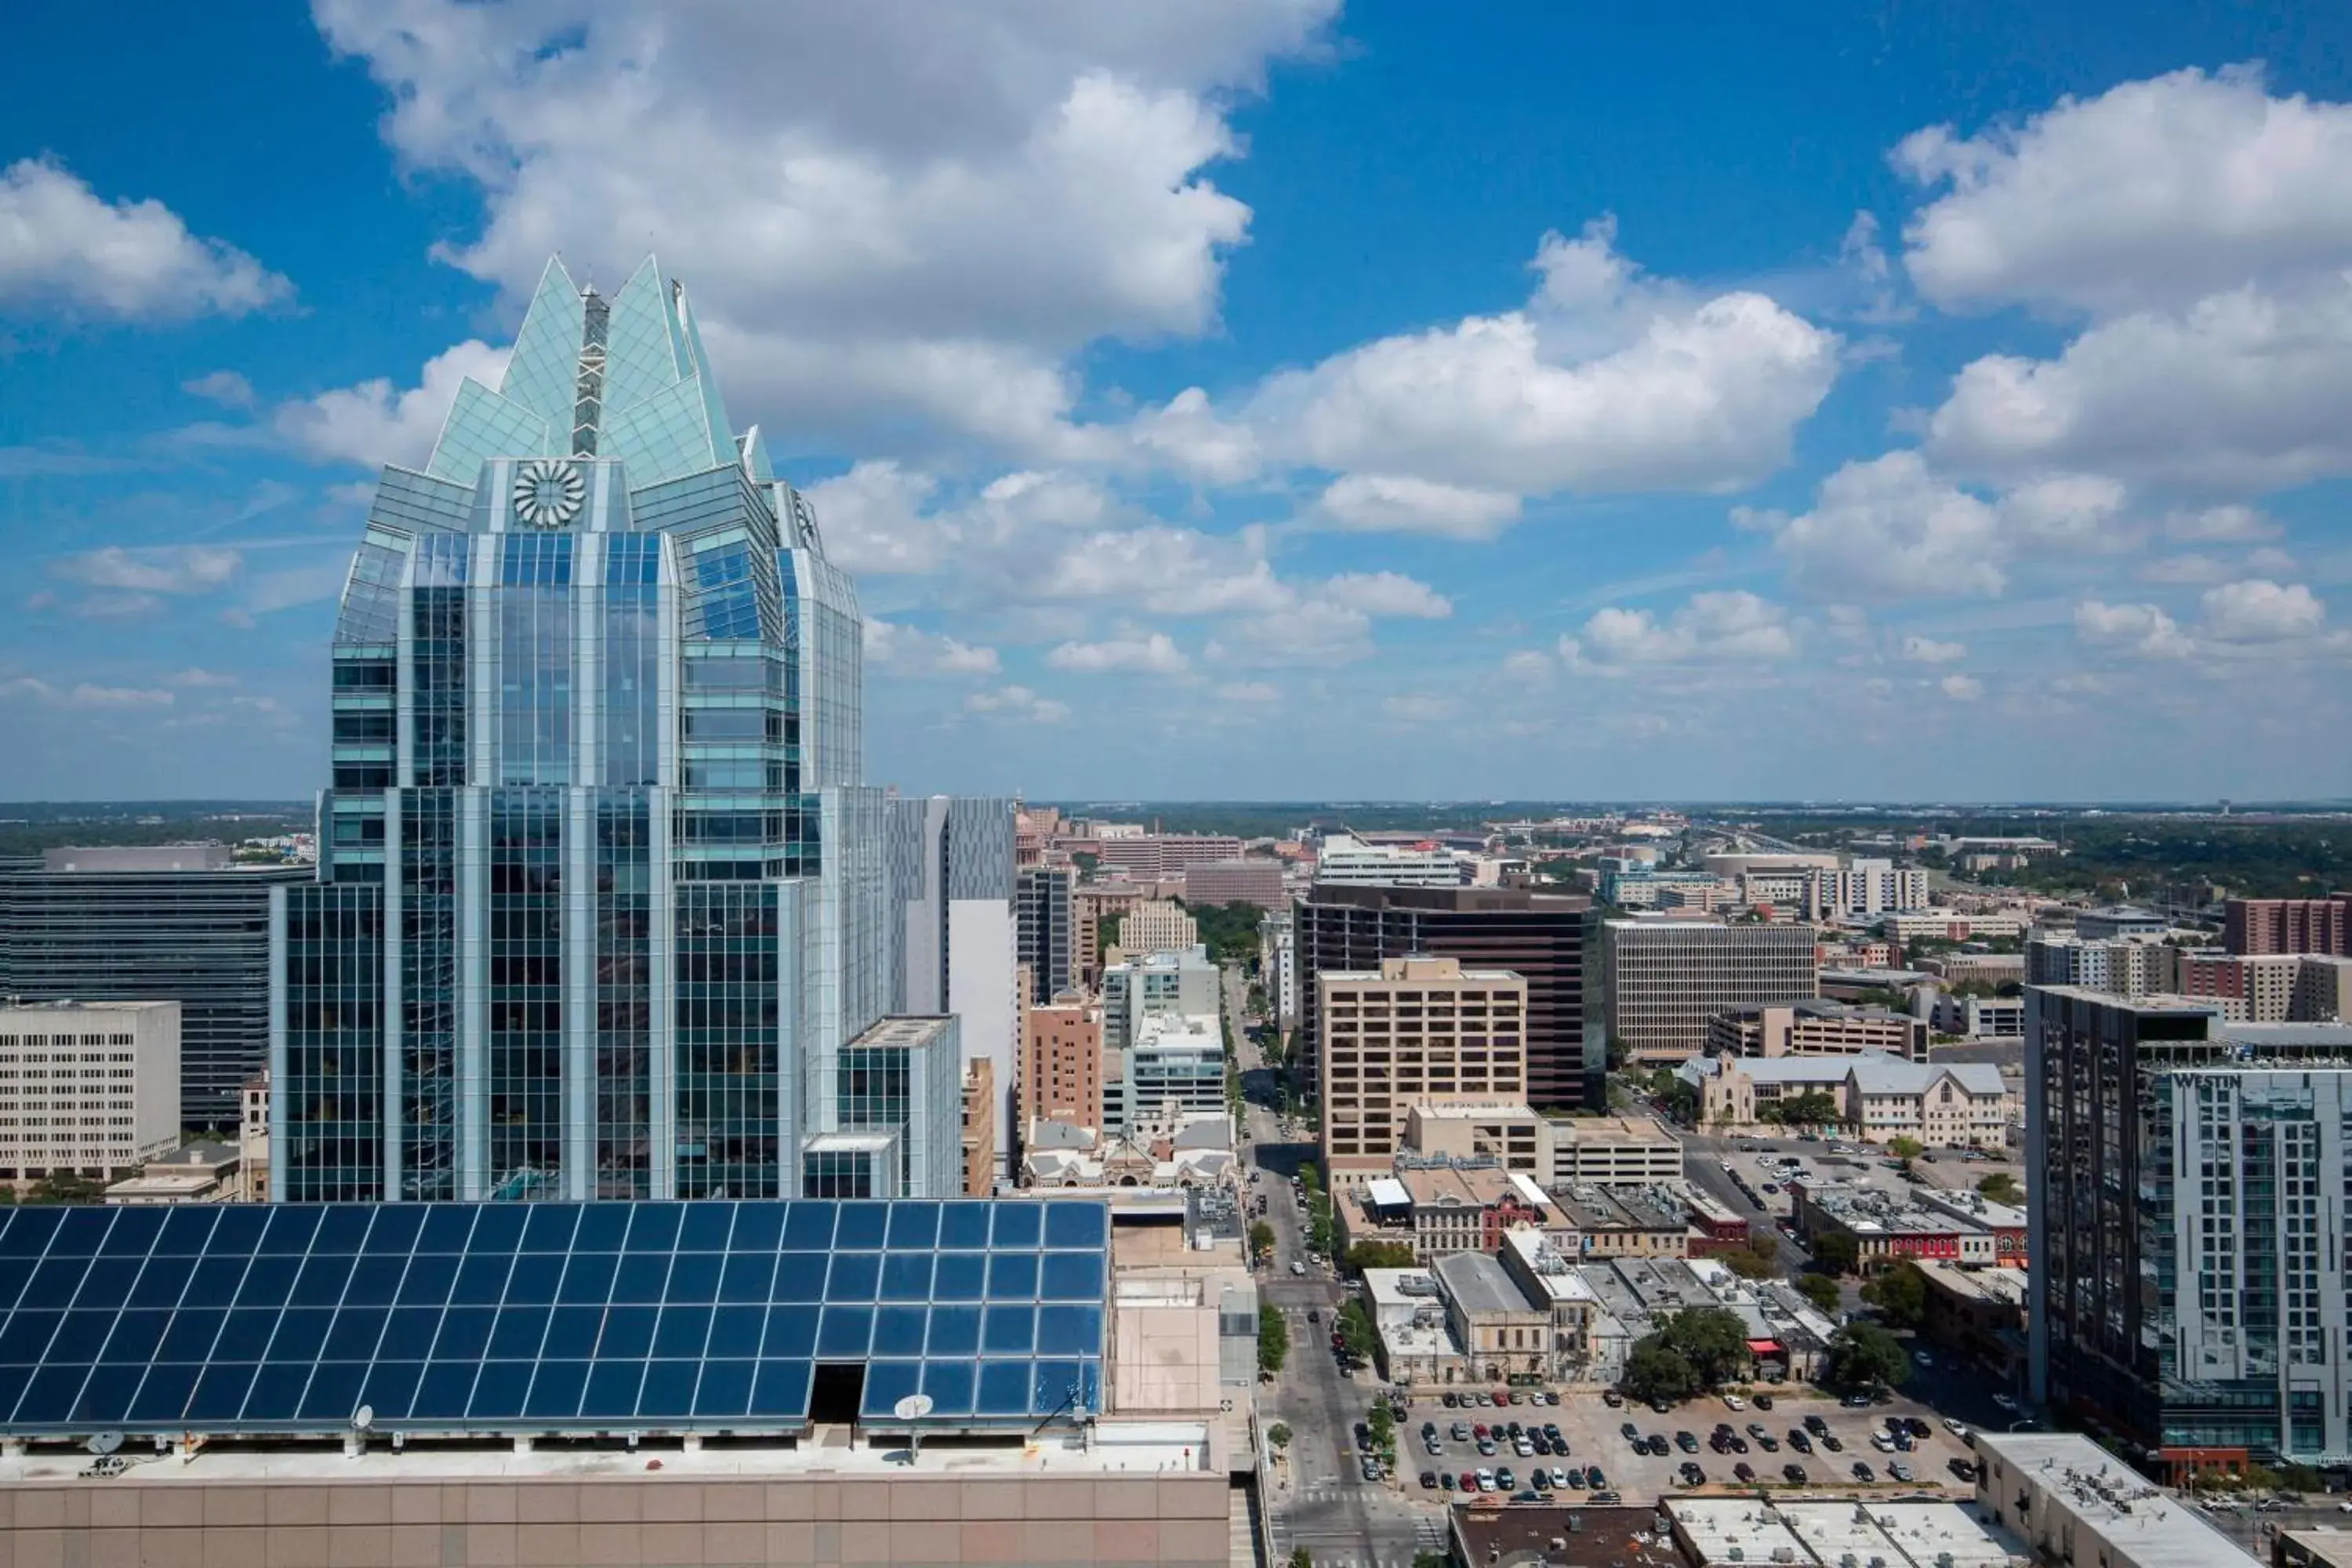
1542 1483
1526 1441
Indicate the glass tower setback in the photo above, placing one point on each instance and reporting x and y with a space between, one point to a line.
600 896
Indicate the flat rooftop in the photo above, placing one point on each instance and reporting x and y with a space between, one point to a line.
2111 1500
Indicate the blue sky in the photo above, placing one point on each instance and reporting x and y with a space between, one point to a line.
1256 398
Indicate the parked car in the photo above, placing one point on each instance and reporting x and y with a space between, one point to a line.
1793 1474
1612 1398
1445 1479
1829 1441
1733 1400
1569 1480
1485 1480
1504 1480
1901 1471
1685 1442
1816 1425
1968 1472
1862 1472
1630 1433
1596 1479
1429 1481
1743 1472
1692 1475
1763 1402
1799 1442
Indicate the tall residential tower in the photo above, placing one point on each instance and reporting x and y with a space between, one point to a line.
603 904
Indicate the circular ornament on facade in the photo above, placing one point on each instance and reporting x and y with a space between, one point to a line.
548 494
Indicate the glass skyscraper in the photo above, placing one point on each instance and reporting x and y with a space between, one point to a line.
601 897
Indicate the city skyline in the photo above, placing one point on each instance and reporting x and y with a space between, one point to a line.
1328 380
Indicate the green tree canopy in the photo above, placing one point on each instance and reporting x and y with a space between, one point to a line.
1835 1252
1711 1339
1906 1149
2000 1187
1758 1259
1273 1339
1261 1238
1357 1337
1655 1370
1380 1255
1820 1290
1900 1294
1279 1435
1864 1355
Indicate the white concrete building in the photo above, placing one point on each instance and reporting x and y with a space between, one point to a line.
1277 962
1344 858
89 1088
2073 1501
1157 925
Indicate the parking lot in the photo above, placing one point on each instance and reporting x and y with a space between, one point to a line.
1590 1429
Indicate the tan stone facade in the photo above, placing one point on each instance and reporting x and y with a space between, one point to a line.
1062 1064
979 1128
628 1522
1417 1028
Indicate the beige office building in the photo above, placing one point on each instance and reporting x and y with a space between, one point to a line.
1062 1065
1816 1029
90 1088
1657 981
1158 925
1416 1028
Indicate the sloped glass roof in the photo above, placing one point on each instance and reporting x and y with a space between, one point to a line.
545 1318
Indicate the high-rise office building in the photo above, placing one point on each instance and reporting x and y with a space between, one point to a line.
87 1087
2187 1180
1656 983
1046 928
1414 1028
951 879
1160 1026
2288 925
1157 925
173 922
1538 936
602 907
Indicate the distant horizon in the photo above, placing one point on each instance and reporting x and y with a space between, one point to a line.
1630 804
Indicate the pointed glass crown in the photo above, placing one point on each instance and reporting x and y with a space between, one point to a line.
623 378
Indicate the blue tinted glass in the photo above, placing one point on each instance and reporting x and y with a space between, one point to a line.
266 1283
809 1226
571 1333
853 1276
395 1229
29 1231
464 1333
748 1276
791 1331
54 1283
887 1383
277 1391
291 1227
355 1334
163 1394
300 1334
555 1391
1004 1388
759 1228
82 1233
187 1230
1072 1277
106 1398
588 1279
641 1277
134 1233
446 1228
322 1280
245 1335
612 1393
601 1228
800 1277
428 1279
907 1277
499 1228
959 1276
628 1334
780 1389
735 1332
694 1277
334 1391
136 1335
914 1224
534 1280
1056 1385
444 1390
497 1392
683 1332
1013 1328
374 1282
481 1279
190 1337
213 1281
955 1331
108 1283
964 1225
343 1229
518 1333
705 1227
725 1388
49 1399
27 1338
221 1391
409 1332
1076 1223
1070 1330
654 1227
949 1385
668 1392
1011 1274
845 1332
1017 1223
391 1388
550 1227
898 1330
159 1285
239 1229
80 1336
862 1225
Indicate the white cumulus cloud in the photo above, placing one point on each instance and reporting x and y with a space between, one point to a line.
64 246
1715 628
1393 503
1018 703
899 650
1927 651
2259 610
1156 654
376 423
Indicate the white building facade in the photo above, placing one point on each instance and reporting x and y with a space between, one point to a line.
87 1087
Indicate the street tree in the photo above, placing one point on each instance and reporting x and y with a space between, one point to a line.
1835 1252
1380 1255
1906 1150
1357 1337
1261 1238
1279 1435
1864 1355
1900 1294
1820 1290
1655 1370
2000 1187
1273 1339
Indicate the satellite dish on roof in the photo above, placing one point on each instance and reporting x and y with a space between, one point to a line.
914 1407
364 1418
104 1443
